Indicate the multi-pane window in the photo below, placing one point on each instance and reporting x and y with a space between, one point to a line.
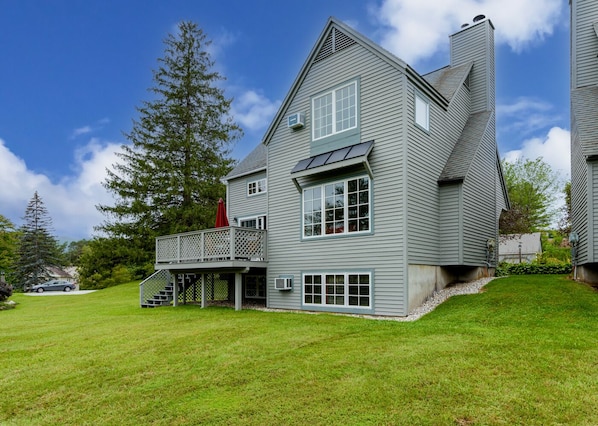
422 112
256 187
255 287
335 111
338 289
337 208
255 222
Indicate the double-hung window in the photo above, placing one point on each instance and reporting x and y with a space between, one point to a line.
335 208
335 111
351 290
422 112
256 187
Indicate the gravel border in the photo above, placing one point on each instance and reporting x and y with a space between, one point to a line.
440 296
429 305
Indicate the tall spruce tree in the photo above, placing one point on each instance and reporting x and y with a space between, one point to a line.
38 249
169 177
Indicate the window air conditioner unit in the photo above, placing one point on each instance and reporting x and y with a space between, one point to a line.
296 121
283 283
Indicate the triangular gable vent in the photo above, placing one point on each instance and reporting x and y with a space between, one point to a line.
336 40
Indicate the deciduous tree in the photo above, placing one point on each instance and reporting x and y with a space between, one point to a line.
9 238
532 187
565 220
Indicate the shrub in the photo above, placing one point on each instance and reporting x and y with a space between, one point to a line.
5 290
548 267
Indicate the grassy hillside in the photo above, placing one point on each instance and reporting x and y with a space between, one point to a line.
524 351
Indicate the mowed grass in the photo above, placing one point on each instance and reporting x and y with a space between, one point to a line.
525 351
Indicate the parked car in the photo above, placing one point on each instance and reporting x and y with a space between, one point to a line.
54 285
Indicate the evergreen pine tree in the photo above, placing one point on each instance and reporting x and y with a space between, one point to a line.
169 177
37 247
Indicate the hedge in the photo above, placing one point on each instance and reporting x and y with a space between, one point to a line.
532 268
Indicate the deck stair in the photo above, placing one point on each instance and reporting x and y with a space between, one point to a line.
156 290
162 298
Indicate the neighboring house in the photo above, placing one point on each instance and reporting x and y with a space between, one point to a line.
56 273
584 135
519 248
374 186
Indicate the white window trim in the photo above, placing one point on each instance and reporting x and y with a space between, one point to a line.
346 207
261 187
260 220
423 103
333 93
346 289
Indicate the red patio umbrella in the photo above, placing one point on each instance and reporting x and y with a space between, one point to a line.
221 219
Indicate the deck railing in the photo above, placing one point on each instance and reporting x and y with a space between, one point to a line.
212 245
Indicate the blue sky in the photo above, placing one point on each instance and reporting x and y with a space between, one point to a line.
73 73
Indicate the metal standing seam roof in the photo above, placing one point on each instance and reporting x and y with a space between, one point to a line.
584 108
255 161
460 160
336 156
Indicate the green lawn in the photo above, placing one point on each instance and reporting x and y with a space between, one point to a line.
525 351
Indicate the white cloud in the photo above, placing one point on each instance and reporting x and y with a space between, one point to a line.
253 111
417 29
70 202
526 115
554 148
81 131
84 130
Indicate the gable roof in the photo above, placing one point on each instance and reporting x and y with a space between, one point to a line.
254 162
348 37
448 79
584 104
460 160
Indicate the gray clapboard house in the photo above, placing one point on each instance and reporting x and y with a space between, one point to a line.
373 187
584 135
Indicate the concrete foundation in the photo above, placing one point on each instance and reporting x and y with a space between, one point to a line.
424 280
588 273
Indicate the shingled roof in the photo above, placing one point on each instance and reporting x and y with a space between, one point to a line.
460 160
255 161
448 79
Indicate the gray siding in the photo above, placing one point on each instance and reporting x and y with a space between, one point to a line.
477 44
382 251
592 210
451 227
428 154
240 204
584 47
579 193
479 206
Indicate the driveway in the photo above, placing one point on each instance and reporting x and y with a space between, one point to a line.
60 293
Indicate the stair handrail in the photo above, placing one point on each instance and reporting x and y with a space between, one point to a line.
159 280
